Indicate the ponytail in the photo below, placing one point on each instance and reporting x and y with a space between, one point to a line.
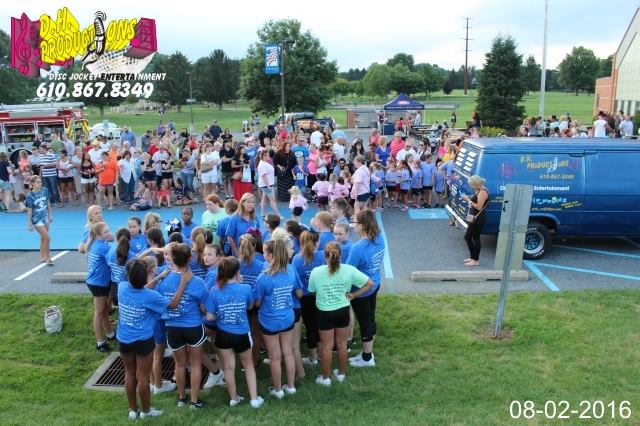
227 269
332 255
123 236
96 229
280 261
198 244
308 241
247 248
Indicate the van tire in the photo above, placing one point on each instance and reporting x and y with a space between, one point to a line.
537 241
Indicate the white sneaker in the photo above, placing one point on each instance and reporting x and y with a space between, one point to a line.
235 402
359 357
339 377
362 363
266 361
322 381
276 394
288 390
309 361
168 353
133 415
167 386
214 379
257 403
152 413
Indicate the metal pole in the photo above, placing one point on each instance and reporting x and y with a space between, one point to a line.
506 268
282 77
466 57
191 101
543 77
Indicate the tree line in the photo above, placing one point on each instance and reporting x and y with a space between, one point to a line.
312 81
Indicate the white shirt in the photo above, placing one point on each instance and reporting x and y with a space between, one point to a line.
338 151
264 168
599 128
402 155
626 128
564 125
125 170
316 138
95 155
361 181
212 157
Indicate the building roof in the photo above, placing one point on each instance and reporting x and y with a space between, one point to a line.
629 35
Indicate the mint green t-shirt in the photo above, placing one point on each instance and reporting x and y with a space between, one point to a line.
210 221
331 290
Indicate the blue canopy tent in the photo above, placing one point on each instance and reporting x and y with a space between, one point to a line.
401 103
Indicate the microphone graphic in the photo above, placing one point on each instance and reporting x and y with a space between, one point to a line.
99 41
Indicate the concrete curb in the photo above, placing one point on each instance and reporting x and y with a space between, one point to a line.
467 276
69 277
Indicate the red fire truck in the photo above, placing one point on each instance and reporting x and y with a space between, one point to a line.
20 125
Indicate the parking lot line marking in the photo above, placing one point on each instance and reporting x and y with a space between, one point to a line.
608 253
589 271
40 266
388 272
630 241
541 276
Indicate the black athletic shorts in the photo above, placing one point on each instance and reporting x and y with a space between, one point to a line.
238 342
99 291
179 337
404 191
273 333
391 188
416 191
138 347
428 188
297 314
328 320
297 211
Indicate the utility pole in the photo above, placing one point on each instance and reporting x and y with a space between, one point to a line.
543 77
190 101
283 46
466 55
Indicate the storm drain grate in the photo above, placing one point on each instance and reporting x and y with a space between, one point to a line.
110 375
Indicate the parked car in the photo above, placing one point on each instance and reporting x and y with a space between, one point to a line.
581 187
306 121
107 129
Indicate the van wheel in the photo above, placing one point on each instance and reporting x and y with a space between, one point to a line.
537 241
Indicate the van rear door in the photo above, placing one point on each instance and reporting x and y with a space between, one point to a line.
612 204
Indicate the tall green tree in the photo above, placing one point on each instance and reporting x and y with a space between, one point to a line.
501 86
432 77
403 80
449 84
341 87
377 81
531 75
579 69
217 78
15 88
604 68
174 89
402 59
307 76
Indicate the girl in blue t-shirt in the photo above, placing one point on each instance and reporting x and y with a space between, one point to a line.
117 259
439 186
138 240
323 223
273 296
250 267
139 307
304 262
198 244
242 222
404 179
98 282
300 173
391 182
227 304
416 183
39 216
185 329
367 255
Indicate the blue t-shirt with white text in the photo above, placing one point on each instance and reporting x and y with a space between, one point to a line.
367 256
229 304
187 313
138 310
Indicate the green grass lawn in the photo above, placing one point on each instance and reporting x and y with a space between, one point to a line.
434 365
232 116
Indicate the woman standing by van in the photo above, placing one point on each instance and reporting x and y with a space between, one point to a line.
477 205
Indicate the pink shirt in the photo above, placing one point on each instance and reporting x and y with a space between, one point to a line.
337 190
321 188
312 161
396 146
298 201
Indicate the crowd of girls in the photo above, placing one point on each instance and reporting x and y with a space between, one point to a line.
247 290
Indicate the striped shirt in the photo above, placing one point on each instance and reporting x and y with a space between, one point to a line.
46 161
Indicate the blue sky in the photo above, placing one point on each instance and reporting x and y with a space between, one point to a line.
357 33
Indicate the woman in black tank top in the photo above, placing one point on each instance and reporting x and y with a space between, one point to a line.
477 209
